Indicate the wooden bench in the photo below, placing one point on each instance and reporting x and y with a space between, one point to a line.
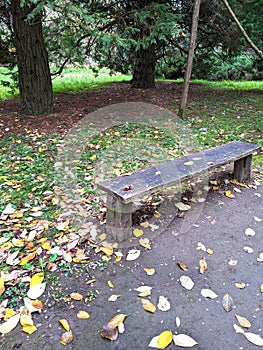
123 191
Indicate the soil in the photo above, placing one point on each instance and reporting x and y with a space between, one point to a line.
219 224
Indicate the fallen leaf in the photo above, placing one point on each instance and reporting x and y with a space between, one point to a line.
137 232
184 341
36 291
229 194
154 342
209 251
177 321
183 207
261 288
91 281
27 322
240 285
148 306
76 296
144 291
121 328
109 332
36 279
149 272
238 329
254 338
8 313
227 302
66 338
201 246
144 242
10 324
83 314
164 339
2 286
110 284
107 251
182 266
203 265
232 262
65 324
248 250
114 297
186 282
33 305
260 257
237 190
208 293
257 219
243 321
163 304
117 320
190 162
250 232
133 254
145 224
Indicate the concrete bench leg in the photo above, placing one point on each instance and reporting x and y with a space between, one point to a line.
242 169
119 219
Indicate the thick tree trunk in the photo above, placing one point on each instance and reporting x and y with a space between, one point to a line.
32 60
189 65
144 68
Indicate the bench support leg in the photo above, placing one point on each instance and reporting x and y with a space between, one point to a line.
119 219
242 169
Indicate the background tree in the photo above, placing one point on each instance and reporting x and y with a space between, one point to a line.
32 61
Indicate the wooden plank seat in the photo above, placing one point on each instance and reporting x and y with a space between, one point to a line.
124 190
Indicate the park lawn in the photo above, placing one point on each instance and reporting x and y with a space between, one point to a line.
31 190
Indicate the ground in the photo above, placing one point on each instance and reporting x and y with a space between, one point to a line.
220 224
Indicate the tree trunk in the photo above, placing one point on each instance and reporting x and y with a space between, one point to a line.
242 30
189 65
144 68
32 60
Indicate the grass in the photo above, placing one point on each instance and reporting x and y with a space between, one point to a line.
224 112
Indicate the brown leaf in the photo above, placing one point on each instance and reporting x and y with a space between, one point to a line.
66 338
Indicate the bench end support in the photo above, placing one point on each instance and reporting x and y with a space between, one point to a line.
242 168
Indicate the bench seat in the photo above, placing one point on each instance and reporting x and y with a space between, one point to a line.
124 190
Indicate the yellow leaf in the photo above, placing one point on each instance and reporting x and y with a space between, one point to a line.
137 232
203 265
227 302
229 194
91 281
9 313
243 321
145 224
113 297
76 296
102 237
107 251
27 322
116 320
37 279
148 306
240 285
46 245
65 324
29 329
182 266
189 163
164 339
28 258
261 288
144 242
66 338
149 272
110 284
2 286
10 324
83 314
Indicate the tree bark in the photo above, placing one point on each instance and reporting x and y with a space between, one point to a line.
144 68
242 30
35 84
189 65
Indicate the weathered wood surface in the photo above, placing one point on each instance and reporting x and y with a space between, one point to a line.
154 178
